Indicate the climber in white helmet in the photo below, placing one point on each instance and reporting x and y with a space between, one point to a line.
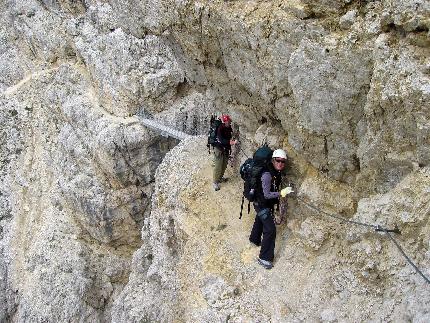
267 195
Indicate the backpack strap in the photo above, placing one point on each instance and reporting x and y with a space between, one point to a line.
241 207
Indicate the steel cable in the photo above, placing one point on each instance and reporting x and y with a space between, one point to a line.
376 227
407 258
336 216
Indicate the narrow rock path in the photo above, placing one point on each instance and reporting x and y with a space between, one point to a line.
12 89
217 254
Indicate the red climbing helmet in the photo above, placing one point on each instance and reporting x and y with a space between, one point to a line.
225 118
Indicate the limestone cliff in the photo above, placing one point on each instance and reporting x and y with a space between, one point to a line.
104 220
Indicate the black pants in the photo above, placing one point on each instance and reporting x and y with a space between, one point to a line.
267 228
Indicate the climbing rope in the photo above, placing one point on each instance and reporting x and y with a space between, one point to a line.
375 227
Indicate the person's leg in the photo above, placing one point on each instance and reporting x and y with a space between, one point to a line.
217 165
267 250
257 230
224 163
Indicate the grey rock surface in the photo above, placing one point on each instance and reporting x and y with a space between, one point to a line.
206 269
104 220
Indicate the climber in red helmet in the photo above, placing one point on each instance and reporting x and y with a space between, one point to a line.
222 150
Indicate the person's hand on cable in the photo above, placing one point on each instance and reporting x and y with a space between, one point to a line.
233 142
287 190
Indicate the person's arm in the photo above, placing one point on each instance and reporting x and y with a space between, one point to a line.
266 181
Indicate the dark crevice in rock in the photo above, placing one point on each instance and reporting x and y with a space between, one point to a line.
392 27
313 15
183 89
356 162
421 29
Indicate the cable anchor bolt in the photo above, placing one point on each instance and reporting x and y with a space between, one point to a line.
395 230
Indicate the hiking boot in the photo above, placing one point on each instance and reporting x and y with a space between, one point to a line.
265 263
216 186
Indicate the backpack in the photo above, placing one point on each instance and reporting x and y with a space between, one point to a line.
251 171
213 129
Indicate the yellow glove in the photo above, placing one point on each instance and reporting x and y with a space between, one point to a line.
286 191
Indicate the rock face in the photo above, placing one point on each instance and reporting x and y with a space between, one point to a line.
102 219
204 269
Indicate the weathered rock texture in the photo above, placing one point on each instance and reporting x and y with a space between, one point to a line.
204 269
96 224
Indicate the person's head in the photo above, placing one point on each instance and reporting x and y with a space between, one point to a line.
225 118
279 158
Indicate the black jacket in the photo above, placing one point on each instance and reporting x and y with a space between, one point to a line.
224 135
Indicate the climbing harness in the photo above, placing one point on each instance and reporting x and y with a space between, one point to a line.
375 227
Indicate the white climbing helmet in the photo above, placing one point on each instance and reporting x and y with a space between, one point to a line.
279 153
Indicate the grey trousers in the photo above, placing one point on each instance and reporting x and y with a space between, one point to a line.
219 164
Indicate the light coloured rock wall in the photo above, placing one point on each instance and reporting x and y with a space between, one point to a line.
324 79
90 231
206 271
